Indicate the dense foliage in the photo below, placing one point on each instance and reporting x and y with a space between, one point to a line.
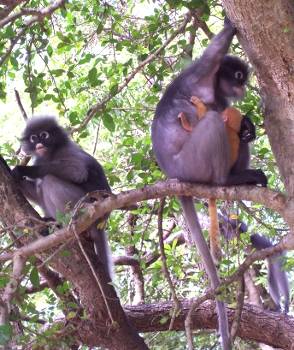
110 61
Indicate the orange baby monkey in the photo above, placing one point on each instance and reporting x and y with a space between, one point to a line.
232 118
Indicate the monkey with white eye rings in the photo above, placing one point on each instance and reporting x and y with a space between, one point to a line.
61 174
202 155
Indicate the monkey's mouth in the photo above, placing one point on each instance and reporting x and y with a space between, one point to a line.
239 91
40 149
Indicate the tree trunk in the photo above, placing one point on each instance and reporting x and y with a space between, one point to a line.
266 32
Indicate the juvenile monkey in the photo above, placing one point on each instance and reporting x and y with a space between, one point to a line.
61 174
202 155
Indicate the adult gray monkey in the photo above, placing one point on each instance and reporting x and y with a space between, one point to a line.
202 154
62 173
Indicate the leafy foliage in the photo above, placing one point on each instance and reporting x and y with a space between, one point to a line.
93 52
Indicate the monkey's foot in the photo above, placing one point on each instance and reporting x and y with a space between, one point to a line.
185 122
201 108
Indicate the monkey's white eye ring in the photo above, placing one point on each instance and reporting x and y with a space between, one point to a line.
44 135
238 75
33 138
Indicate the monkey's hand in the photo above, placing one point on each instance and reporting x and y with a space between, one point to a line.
185 123
17 173
229 24
201 108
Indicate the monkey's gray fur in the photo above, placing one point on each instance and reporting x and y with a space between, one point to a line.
61 174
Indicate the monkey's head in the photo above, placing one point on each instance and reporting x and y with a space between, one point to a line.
232 77
42 135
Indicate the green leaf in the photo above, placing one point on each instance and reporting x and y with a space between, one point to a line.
108 122
5 333
57 72
4 279
34 277
92 76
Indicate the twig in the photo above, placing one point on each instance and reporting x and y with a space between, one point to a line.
177 304
239 308
188 319
20 105
43 13
100 105
11 288
137 277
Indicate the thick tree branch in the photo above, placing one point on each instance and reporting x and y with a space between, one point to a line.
271 199
256 324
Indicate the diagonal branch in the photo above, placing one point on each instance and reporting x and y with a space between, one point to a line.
39 17
100 105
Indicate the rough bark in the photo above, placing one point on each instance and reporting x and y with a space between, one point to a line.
256 324
266 32
97 328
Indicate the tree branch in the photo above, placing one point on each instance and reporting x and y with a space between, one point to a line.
256 324
272 199
41 15
100 105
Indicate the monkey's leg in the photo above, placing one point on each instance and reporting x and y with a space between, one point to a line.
205 156
30 189
59 195
102 249
214 234
247 177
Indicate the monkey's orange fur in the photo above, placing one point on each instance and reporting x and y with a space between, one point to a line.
232 118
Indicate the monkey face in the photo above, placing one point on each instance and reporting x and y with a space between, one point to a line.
232 77
42 135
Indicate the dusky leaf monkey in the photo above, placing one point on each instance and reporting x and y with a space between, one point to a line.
240 131
61 174
202 155
278 283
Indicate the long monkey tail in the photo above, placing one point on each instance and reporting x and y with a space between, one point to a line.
197 236
277 277
214 234
102 249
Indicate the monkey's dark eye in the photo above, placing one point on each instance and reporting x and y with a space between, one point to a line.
33 138
239 75
44 135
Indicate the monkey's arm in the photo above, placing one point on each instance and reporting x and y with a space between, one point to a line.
72 170
29 190
201 111
215 51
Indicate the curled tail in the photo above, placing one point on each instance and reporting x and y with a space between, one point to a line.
197 236
102 249
277 277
